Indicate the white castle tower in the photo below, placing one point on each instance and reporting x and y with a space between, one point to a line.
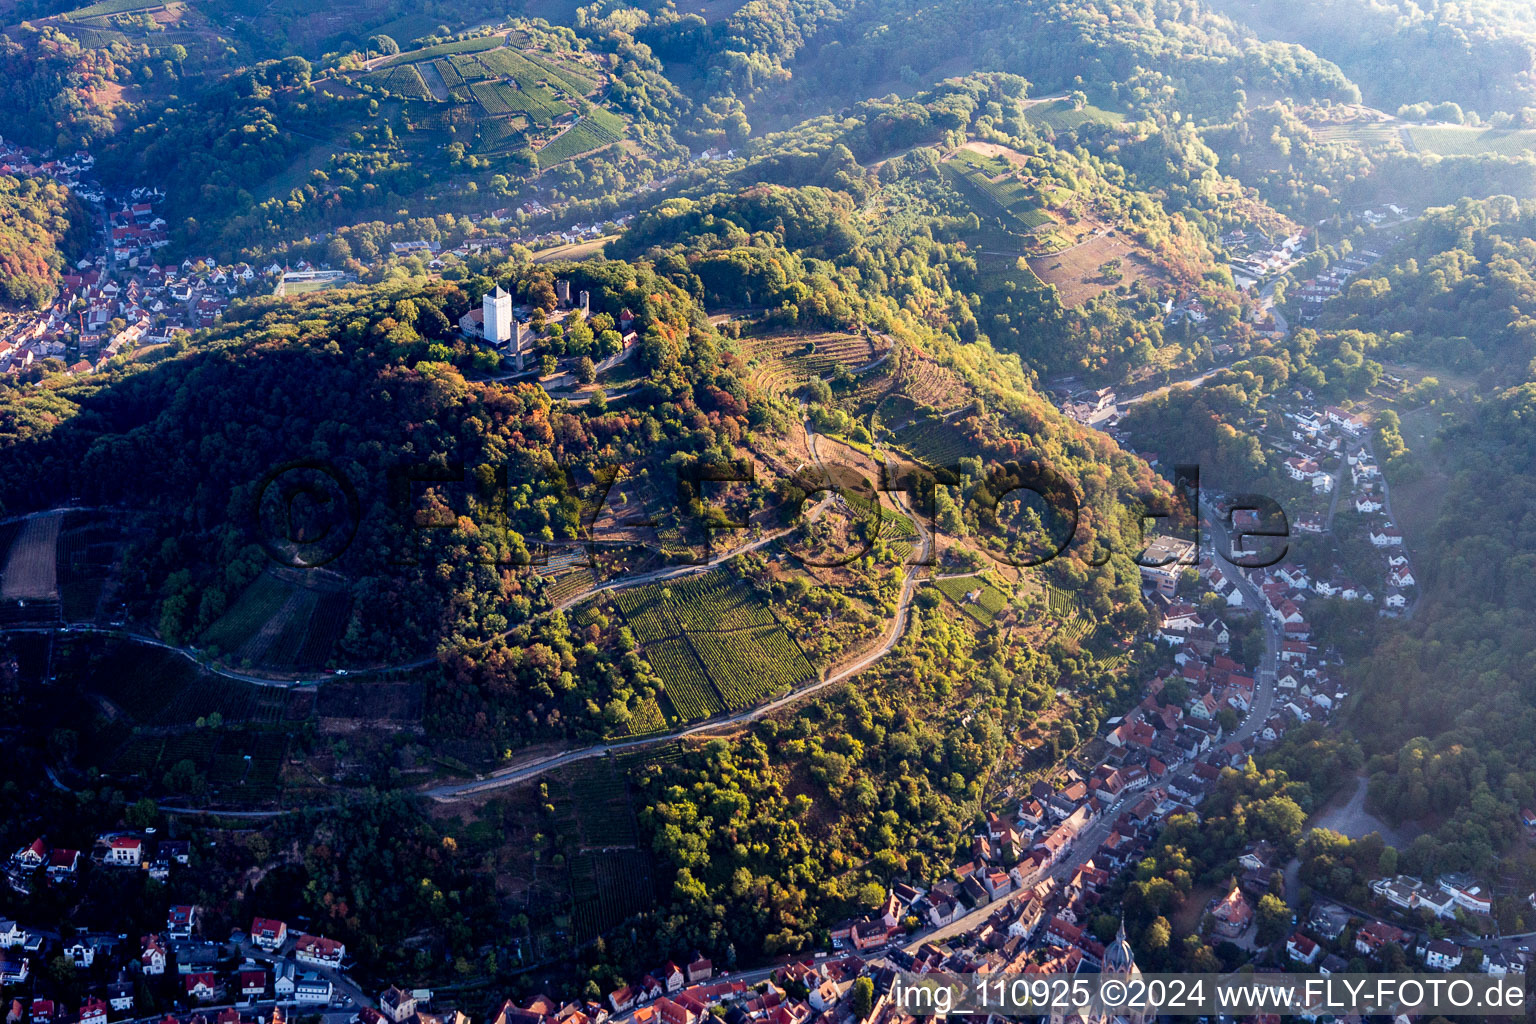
498 325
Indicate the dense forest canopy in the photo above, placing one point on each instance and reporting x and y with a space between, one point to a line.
41 226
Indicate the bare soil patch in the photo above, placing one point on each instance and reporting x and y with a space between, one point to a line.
1077 273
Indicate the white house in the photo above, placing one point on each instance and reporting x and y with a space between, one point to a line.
124 851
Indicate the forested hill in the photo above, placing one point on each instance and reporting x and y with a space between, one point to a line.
1479 54
374 386
1448 698
41 226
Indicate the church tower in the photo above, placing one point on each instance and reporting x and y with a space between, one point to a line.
1119 962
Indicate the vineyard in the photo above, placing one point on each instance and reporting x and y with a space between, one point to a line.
86 554
161 688
247 765
110 7
928 384
989 604
475 45
596 129
781 363
1063 606
688 688
280 625
402 81
645 609
607 888
715 601
995 183
750 664
714 642
934 442
31 566
1061 115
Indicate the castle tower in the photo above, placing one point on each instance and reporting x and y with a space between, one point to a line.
563 293
584 300
497 308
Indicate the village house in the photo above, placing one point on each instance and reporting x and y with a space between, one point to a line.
1231 914
1302 949
123 851
318 950
181 921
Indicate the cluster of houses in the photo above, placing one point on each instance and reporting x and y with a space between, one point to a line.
1444 898
1332 934
39 862
815 989
205 972
24 162
669 979
1093 408
1313 292
1336 437
1254 254
121 298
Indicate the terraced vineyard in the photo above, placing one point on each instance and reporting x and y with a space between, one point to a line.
784 362
928 384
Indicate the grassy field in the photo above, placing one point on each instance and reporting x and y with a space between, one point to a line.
1078 273
1457 140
